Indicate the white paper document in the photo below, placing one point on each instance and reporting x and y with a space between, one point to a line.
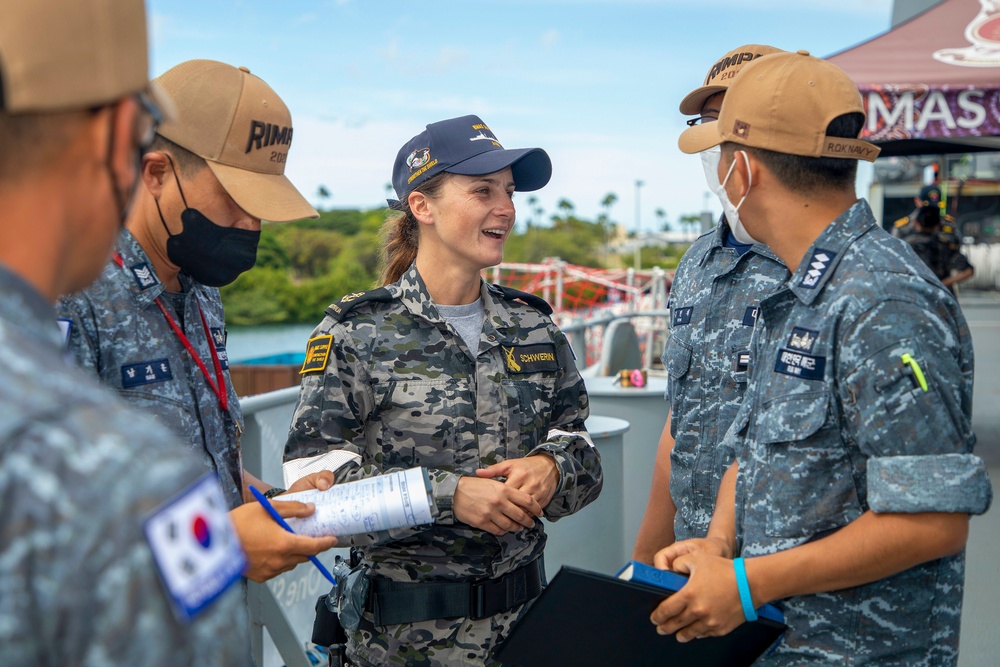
367 505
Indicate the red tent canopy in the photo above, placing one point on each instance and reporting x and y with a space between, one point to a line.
932 84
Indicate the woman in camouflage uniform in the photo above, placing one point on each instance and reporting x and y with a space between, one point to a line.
471 381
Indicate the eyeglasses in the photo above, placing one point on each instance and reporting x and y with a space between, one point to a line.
149 121
701 120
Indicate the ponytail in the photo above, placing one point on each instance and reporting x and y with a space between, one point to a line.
400 238
401 234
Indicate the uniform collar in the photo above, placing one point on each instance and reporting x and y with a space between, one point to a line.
143 282
23 307
412 293
820 261
718 244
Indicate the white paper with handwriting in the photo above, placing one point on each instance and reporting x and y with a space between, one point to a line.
366 505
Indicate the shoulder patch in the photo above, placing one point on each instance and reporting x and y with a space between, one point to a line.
537 302
338 310
195 547
317 354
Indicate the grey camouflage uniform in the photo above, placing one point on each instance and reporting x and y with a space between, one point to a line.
77 582
117 330
835 423
713 303
401 389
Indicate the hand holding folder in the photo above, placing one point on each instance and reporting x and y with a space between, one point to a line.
586 618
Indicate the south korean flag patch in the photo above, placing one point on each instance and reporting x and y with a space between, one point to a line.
195 546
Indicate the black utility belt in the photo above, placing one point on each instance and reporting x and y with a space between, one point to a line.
395 602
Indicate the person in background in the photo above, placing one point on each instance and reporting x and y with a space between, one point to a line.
471 381
848 504
152 325
930 195
939 249
714 298
107 557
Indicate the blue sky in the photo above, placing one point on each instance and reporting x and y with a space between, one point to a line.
595 83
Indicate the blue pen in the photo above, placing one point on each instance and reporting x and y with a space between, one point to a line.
281 522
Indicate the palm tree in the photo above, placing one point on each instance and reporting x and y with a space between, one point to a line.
566 206
661 215
532 203
606 224
323 193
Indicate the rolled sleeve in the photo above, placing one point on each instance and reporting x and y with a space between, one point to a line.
938 483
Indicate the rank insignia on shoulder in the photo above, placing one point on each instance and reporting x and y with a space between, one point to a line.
533 300
317 354
338 310
143 275
530 358
819 264
195 547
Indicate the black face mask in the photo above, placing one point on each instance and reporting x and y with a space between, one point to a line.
211 254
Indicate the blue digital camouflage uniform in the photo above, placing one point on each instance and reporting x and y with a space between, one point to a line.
401 389
78 585
836 422
713 303
118 331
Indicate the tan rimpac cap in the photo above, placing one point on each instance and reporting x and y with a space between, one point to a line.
721 75
60 56
784 102
242 129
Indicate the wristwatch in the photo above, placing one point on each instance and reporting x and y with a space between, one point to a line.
273 491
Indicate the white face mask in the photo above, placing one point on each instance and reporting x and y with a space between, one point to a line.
710 163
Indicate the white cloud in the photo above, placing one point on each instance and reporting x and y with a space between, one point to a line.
549 38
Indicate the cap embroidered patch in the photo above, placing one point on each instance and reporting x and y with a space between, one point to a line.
531 358
418 158
195 546
317 354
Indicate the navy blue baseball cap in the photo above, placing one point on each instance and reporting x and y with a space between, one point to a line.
465 146
930 195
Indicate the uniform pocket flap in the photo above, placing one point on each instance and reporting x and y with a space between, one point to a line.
677 359
792 418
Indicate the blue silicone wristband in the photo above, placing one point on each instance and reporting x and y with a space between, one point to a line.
743 586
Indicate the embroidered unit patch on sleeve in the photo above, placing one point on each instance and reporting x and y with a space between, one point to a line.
530 358
195 547
317 354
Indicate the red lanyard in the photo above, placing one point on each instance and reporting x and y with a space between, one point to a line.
219 385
